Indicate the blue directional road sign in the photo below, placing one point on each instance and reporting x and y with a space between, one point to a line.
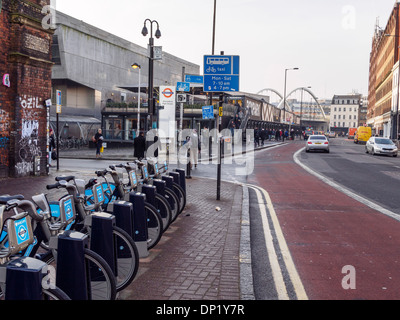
221 73
194 79
208 112
183 86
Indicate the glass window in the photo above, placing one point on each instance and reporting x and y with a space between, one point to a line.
383 141
317 138
113 128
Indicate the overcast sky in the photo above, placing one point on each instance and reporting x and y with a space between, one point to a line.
330 41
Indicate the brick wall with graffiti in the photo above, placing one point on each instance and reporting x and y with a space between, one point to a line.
25 75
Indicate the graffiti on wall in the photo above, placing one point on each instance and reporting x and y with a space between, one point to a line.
4 139
28 145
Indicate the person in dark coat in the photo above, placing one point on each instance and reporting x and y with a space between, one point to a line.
99 142
256 137
139 143
263 136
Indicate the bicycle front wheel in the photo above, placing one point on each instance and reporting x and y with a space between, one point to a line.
155 225
54 294
174 203
127 258
102 283
181 194
165 211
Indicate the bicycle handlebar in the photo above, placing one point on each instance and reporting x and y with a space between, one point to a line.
72 189
53 186
30 208
5 199
65 178
102 173
18 201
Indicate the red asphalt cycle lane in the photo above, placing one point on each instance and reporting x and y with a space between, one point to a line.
327 230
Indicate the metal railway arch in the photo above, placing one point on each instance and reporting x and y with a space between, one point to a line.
289 107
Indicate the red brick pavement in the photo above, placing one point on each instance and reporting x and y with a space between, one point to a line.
198 257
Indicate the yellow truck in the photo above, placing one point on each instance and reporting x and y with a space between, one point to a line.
362 135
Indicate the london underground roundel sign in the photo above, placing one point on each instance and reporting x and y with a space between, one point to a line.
168 93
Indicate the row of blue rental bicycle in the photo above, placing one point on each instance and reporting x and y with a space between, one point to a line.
87 244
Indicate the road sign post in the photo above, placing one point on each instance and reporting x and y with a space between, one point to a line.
183 86
58 112
221 74
208 112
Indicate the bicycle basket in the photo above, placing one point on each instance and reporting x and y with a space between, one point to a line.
20 234
98 194
133 179
67 210
145 173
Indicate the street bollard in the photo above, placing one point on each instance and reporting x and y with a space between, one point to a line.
140 223
102 238
160 186
182 180
123 212
102 230
168 181
24 279
150 192
72 275
175 176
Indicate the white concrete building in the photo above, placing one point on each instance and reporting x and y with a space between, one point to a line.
345 112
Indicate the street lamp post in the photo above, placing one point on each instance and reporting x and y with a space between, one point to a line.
145 32
301 108
284 96
137 66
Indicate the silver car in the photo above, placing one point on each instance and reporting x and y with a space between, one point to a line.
317 142
377 145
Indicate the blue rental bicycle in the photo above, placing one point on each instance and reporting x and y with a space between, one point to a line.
118 190
126 256
17 235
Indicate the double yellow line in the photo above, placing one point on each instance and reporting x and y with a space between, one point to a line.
265 203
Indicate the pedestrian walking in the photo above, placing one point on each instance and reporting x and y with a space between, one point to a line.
98 138
256 137
269 134
139 144
263 136
277 135
286 135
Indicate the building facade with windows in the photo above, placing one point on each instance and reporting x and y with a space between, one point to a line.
384 55
345 112
93 70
